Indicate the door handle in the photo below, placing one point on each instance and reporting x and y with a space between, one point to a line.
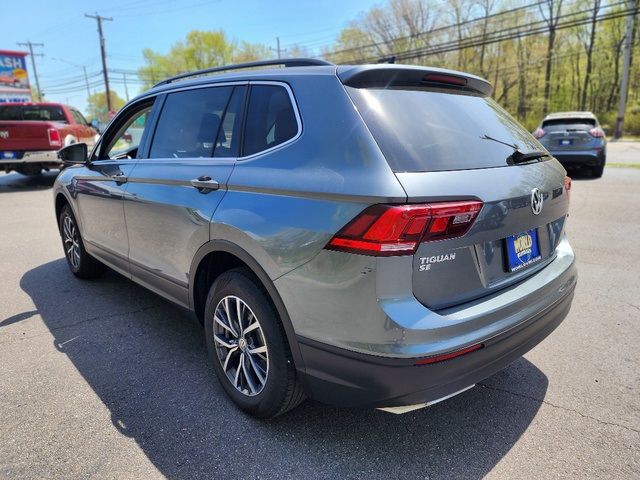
119 177
204 184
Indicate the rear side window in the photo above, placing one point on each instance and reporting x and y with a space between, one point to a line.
271 119
189 123
435 130
561 124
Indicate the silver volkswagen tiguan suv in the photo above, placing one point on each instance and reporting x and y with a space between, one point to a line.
377 235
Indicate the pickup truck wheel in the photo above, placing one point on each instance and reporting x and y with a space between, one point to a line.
81 264
248 346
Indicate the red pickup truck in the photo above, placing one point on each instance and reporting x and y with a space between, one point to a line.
32 133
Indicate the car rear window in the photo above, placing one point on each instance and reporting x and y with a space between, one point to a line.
423 129
569 124
50 113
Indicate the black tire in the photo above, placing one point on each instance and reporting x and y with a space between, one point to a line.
281 390
82 265
596 172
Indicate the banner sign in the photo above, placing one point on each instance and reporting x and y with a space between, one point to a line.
14 79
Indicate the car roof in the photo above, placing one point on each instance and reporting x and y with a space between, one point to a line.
344 72
267 74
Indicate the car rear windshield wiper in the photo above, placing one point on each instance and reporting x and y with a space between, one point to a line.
522 157
518 156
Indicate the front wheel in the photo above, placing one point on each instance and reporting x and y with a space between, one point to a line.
248 346
80 263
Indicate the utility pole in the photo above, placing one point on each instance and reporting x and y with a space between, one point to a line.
33 63
100 19
126 90
86 81
278 50
626 63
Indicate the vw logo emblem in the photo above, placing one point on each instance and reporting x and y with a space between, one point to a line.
4 134
537 199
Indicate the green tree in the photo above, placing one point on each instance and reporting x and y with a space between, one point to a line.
201 49
97 105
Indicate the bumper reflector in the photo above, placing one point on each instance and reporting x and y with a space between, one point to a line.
449 355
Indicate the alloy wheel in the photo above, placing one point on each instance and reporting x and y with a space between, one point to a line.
71 241
240 345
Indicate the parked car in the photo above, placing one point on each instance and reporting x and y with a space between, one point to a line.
31 134
575 139
363 235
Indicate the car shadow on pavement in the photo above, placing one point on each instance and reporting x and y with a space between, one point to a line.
12 182
147 362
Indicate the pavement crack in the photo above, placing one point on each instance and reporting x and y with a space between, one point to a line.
560 407
634 306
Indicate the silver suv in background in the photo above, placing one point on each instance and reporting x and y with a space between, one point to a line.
377 235
575 139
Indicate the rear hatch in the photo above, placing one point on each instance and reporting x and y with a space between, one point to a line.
568 134
434 137
27 128
25 136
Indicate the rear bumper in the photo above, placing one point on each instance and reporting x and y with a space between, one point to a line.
588 158
49 157
345 378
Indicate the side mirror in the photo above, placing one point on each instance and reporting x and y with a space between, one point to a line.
95 124
76 153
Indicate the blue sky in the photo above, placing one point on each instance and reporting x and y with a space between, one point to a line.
157 24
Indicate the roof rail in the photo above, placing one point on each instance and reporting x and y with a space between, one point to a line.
286 62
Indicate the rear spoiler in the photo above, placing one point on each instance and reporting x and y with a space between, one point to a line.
411 76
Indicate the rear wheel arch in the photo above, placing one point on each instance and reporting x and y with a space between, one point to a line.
219 256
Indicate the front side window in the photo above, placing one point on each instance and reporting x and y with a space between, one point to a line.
125 143
189 124
78 117
271 119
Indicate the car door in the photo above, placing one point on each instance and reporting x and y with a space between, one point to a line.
101 187
174 190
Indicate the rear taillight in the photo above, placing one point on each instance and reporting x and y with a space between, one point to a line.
387 230
54 137
596 132
539 133
567 186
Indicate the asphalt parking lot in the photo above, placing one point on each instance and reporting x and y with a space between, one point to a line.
104 379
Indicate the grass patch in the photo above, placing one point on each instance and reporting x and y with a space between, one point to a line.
623 165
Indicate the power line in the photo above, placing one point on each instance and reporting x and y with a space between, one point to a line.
33 62
509 33
439 29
